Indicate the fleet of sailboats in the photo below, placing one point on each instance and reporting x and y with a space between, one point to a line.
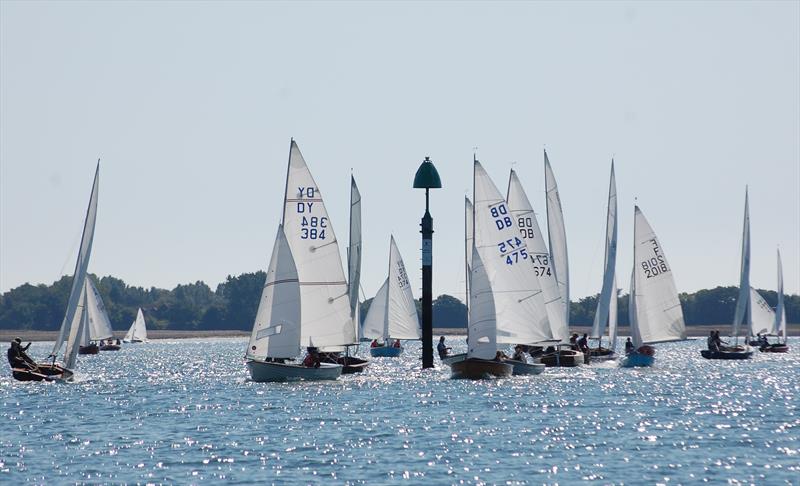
517 292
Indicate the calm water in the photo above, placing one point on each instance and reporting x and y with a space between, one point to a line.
185 411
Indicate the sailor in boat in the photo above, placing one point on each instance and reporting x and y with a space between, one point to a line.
583 344
711 342
18 358
442 349
396 343
629 346
374 344
573 342
519 354
719 342
763 342
312 359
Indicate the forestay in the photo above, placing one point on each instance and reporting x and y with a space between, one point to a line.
744 307
557 236
659 316
276 330
525 218
81 265
325 306
517 296
608 292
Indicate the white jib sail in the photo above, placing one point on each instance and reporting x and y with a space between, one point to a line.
557 236
659 315
608 290
763 315
744 311
354 255
521 316
325 305
99 323
376 314
780 309
468 233
523 214
402 321
138 329
81 265
276 330
482 329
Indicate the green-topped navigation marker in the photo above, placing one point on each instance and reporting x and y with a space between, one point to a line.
427 178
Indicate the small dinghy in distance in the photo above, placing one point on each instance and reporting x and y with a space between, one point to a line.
654 308
744 304
138 330
75 322
606 313
779 327
305 302
507 307
393 313
98 327
562 356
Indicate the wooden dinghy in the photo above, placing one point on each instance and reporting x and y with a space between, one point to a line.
724 354
262 371
480 369
564 357
91 348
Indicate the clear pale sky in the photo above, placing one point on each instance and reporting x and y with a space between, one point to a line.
191 106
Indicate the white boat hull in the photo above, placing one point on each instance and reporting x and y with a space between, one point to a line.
521 368
261 371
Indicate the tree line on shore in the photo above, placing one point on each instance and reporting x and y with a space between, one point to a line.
233 304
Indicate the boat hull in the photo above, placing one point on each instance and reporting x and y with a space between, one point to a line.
601 354
775 348
564 358
45 372
385 352
480 369
90 349
708 354
454 358
521 368
637 360
110 347
350 364
261 371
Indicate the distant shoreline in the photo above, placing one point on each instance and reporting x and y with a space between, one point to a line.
7 335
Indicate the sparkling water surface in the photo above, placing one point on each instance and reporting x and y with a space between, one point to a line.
185 411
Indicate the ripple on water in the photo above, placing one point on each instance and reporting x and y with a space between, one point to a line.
185 411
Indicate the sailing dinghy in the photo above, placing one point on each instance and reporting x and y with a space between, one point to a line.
506 304
75 319
305 301
744 304
351 364
654 308
138 330
452 358
606 313
393 313
778 326
99 328
565 355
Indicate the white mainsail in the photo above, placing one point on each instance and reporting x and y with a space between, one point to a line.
138 329
69 323
557 236
505 296
276 330
659 317
612 316
763 315
523 214
608 291
354 255
396 301
99 323
780 309
744 308
325 306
